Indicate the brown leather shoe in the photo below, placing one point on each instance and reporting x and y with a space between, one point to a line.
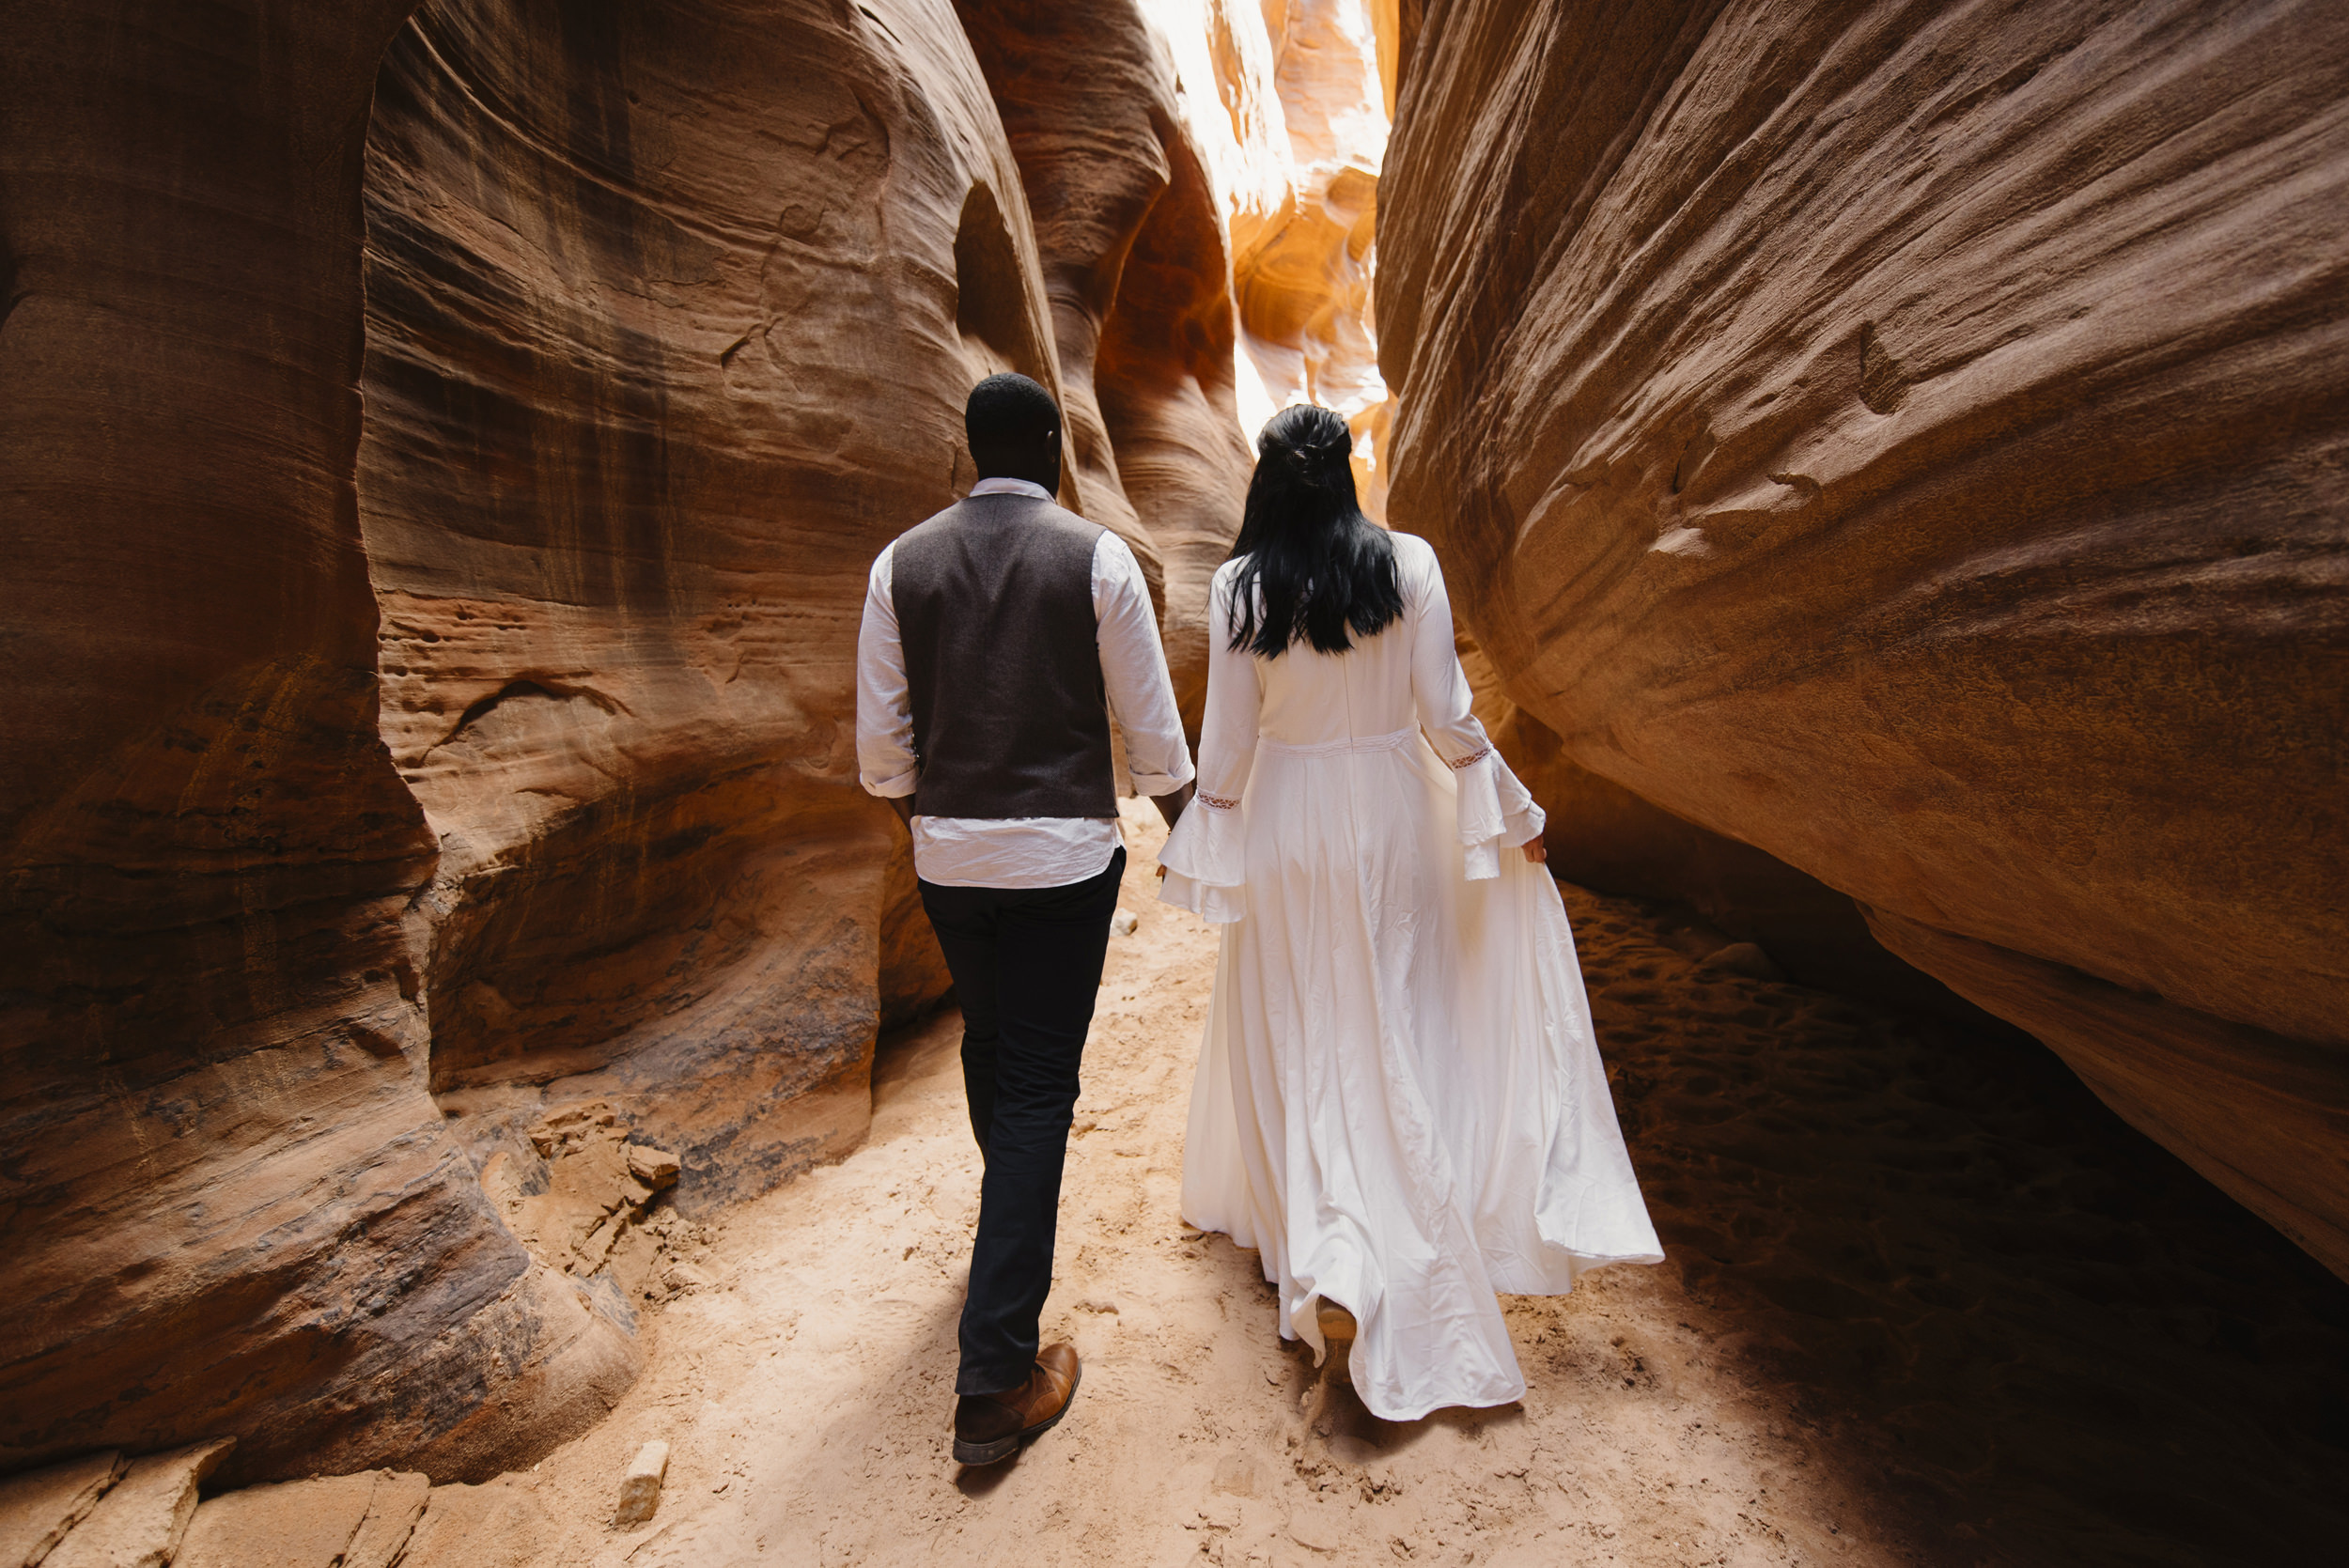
1337 1324
1338 1332
990 1427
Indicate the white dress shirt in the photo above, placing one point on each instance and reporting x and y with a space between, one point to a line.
1024 851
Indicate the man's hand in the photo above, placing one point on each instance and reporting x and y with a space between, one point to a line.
903 806
1535 849
1171 806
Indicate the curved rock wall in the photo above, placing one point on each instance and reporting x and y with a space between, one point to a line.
1286 103
671 315
229 1202
1910 442
1602 836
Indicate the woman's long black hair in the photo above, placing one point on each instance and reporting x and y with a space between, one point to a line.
1314 567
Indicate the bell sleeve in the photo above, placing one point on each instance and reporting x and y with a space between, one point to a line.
1206 857
1496 811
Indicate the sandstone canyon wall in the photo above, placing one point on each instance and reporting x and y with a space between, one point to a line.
1911 442
229 1202
671 311
1290 101
445 451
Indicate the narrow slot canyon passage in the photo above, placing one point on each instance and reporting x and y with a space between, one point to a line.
478 1085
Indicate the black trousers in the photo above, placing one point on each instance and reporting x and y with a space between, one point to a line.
1027 964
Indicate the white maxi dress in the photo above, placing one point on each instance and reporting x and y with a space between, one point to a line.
1399 1103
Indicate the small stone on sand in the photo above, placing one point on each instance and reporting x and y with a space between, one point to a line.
640 1489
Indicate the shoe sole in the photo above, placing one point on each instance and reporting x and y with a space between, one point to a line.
1003 1447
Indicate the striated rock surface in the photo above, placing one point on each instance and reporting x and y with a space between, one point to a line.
1912 443
229 1204
1604 837
1306 265
1289 102
671 316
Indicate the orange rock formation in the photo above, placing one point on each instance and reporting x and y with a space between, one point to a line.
1909 444
1290 101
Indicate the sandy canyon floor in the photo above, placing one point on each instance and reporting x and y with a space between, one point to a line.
1926 1301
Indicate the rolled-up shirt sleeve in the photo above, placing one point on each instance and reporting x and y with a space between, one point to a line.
885 720
1133 668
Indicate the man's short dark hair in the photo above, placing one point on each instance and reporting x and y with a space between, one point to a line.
1009 413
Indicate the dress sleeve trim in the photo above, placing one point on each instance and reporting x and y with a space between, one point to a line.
1217 802
1496 813
1471 759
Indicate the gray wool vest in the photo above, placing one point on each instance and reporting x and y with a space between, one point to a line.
994 601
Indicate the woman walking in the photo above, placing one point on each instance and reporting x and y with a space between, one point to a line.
1400 1103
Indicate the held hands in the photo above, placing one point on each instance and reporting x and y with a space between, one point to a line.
1170 805
1534 851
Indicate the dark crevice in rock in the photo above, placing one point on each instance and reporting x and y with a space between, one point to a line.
515 691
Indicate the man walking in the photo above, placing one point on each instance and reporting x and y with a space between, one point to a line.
998 637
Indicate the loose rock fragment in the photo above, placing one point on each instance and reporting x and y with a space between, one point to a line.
655 1167
1125 921
640 1489
38 1508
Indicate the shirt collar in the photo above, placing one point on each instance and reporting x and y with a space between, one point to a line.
1011 486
